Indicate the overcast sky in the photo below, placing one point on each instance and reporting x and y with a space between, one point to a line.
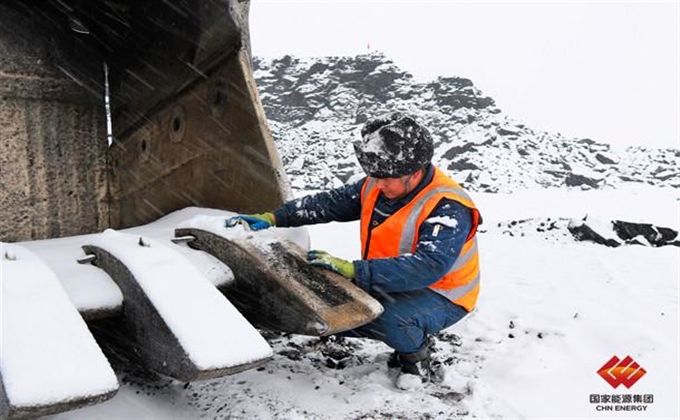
607 70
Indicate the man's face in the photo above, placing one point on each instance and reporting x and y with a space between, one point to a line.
396 187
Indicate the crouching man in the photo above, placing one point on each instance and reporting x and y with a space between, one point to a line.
418 244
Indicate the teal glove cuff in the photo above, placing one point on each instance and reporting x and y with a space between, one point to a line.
325 260
254 221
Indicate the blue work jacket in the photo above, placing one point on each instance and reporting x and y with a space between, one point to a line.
436 251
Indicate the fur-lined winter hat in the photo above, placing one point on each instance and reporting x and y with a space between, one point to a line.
393 145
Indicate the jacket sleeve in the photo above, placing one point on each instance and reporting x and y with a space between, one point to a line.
441 238
338 205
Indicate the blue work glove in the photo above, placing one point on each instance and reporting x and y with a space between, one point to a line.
254 221
325 260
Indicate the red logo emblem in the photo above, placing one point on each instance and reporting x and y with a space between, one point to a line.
617 372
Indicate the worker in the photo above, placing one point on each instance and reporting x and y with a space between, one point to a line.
418 244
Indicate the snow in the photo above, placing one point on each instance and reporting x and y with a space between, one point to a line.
473 134
589 303
262 239
373 143
209 328
659 206
43 288
443 220
90 288
551 312
47 354
409 382
583 170
601 227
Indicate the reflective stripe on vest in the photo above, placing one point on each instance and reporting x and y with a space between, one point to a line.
460 291
368 187
465 256
409 234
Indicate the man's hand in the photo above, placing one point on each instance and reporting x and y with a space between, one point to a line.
325 260
254 221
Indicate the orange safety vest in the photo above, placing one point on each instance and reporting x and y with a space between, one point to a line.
398 235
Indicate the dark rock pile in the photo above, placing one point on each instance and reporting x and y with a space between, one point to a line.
316 108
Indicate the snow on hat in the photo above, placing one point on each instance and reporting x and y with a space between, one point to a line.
393 145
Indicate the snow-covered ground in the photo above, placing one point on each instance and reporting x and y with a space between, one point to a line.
552 312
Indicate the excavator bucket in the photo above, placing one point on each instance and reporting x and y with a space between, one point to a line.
112 115
188 128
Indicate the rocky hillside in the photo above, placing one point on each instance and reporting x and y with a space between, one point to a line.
316 108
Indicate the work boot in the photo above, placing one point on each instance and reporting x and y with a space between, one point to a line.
415 369
393 361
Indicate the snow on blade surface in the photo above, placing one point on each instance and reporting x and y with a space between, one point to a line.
262 239
213 333
88 287
47 353
163 229
92 289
